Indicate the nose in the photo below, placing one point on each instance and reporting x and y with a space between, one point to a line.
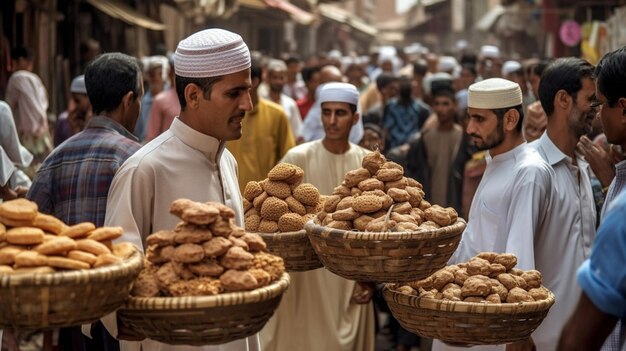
245 103
471 128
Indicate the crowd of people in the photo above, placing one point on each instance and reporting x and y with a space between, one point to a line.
530 152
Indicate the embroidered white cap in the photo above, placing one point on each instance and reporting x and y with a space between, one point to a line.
494 93
339 92
211 52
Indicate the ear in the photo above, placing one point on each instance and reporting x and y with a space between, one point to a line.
562 99
127 100
621 103
355 118
511 119
192 93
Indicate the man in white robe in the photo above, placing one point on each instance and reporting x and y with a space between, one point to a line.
512 205
321 310
189 160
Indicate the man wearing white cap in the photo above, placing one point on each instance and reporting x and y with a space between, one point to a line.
511 209
74 121
323 311
189 160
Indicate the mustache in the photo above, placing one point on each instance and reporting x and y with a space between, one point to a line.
475 136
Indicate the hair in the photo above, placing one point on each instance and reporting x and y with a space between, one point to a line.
563 74
292 59
610 75
109 77
256 70
471 68
21 52
384 79
469 59
308 72
373 127
420 67
500 112
444 91
205 84
539 68
520 72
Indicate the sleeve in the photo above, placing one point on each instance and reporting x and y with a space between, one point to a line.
601 276
357 131
295 120
39 192
530 201
285 137
310 122
155 120
11 93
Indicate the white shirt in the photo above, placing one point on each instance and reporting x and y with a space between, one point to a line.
293 114
180 163
568 241
313 129
509 212
29 99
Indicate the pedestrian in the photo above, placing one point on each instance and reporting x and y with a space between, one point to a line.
165 107
276 78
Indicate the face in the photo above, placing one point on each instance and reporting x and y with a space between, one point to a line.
580 119
293 68
221 114
314 82
466 79
337 118
82 102
372 140
276 80
612 119
485 128
445 108
391 90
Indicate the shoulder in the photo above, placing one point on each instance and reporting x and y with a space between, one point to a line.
270 105
531 164
359 150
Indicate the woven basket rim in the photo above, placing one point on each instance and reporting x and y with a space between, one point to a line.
220 300
282 235
454 229
83 276
471 307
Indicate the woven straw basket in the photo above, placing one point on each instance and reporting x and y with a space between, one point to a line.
472 323
384 257
202 320
295 249
61 299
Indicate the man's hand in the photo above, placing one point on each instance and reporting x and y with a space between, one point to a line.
525 345
363 293
600 161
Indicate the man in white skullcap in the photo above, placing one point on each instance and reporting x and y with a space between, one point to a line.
189 160
511 210
276 79
73 121
324 311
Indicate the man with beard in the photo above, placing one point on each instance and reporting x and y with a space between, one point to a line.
566 90
276 78
511 209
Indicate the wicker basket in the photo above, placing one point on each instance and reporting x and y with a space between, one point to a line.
202 320
467 322
61 299
295 249
384 257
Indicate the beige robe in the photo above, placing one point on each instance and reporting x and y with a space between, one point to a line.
180 163
316 313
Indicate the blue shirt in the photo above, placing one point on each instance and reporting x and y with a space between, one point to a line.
603 277
402 121
73 181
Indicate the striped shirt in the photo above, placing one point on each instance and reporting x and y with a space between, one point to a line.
73 182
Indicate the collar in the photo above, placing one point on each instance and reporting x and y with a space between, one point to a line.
553 154
211 147
620 166
109 124
511 154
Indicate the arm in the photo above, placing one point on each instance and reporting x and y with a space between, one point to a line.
590 335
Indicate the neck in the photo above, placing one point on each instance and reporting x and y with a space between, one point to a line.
117 116
446 125
509 143
562 136
336 146
275 96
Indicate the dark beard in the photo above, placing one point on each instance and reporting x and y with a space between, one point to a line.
494 143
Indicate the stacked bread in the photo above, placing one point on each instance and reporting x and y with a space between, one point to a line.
33 242
281 202
378 197
488 277
205 254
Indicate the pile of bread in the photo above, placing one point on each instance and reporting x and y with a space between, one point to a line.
206 254
378 197
281 202
488 277
33 242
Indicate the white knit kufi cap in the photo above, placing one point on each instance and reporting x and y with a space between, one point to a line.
339 92
211 53
78 85
494 93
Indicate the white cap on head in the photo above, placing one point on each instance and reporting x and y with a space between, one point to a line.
509 67
276 65
447 64
211 53
339 92
494 93
78 85
489 51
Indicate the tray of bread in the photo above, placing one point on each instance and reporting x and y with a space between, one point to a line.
484 301
206 281
277 209
51 274
376 226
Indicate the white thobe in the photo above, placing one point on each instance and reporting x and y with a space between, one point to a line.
29 99
571 233
316 312
180 163
291 109
509 212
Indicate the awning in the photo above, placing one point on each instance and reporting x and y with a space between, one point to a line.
297 14
344 17
490 18
126 13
